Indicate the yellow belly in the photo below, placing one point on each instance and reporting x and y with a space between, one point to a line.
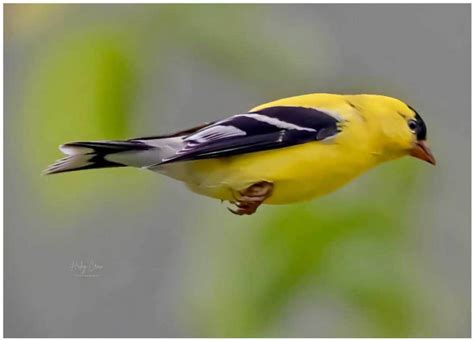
298 173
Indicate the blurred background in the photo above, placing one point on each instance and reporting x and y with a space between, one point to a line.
128 253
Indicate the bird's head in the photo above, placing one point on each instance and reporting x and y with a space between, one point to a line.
400 130
419 148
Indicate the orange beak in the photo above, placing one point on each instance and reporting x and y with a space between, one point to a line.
422 151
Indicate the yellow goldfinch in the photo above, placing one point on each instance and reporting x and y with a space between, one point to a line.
285 151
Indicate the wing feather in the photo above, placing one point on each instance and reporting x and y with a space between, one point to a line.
266 129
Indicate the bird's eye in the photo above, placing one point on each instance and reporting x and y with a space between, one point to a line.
412 124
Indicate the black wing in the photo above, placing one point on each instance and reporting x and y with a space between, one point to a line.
269 128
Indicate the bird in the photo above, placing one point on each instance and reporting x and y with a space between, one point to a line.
285 151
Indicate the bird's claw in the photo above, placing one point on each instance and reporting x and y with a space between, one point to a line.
251 198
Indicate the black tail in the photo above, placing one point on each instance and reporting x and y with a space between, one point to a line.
91 155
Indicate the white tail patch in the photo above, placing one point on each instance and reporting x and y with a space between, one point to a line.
78 157
73 150
68 163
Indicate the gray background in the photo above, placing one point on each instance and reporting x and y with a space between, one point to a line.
152 238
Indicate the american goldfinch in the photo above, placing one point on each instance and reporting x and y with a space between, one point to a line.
285 151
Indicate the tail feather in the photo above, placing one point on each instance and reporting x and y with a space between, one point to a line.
91 155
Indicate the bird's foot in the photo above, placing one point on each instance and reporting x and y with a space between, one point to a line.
251 198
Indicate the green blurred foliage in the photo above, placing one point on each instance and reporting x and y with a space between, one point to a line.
348 248
79 88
